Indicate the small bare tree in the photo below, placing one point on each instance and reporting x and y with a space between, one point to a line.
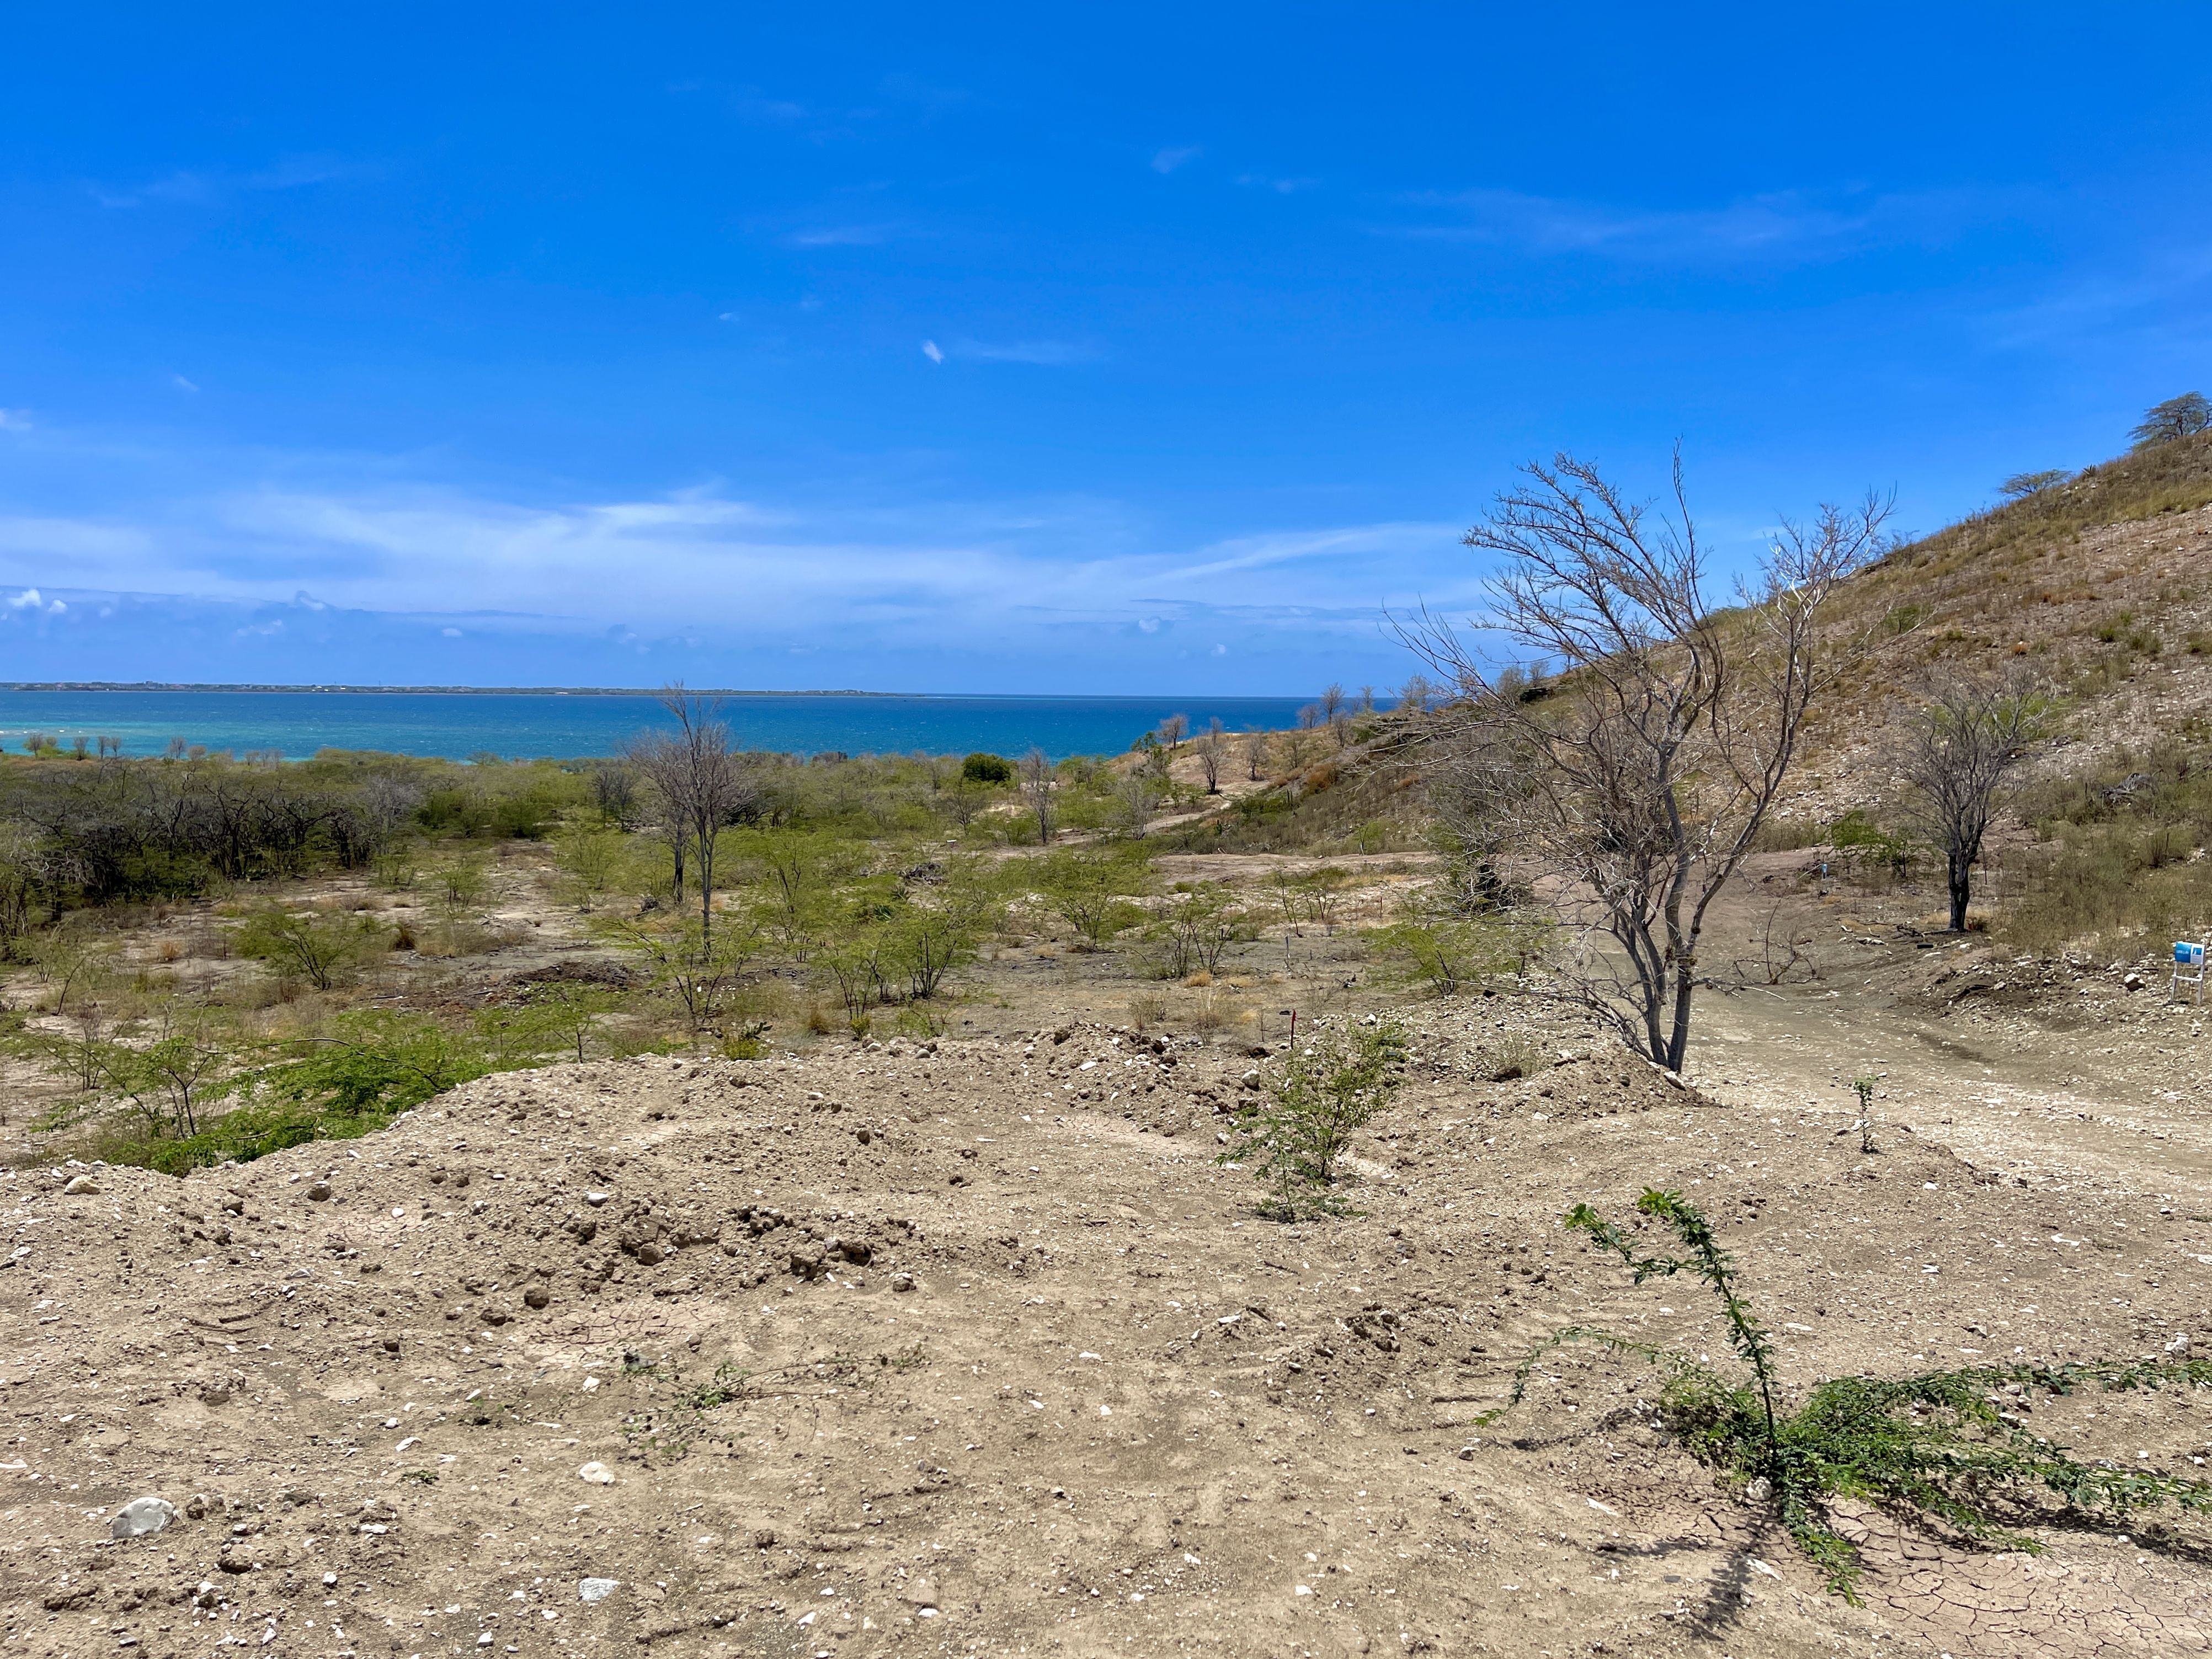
1212 748
1173 730
1034 771
719 786
1956 754
1637 784
1335 713
656 757
1135 797
614 792
700 785
1255 755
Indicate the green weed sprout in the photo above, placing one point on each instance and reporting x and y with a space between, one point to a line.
1863 1086
1936 1445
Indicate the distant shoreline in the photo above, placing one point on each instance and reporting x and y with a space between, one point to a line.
427 690
606 691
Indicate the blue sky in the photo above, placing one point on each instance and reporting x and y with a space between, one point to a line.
1013 348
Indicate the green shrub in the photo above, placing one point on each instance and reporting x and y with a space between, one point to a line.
322 947
1091 892
1331 1086
979 768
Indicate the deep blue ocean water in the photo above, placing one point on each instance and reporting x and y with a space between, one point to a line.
521 725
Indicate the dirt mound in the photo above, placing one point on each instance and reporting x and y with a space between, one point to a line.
973 1347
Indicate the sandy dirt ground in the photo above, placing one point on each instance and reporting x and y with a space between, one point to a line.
973 1347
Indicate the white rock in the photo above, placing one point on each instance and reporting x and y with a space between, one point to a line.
598 1473
598 1589
2179 1346
142 1516
81 1186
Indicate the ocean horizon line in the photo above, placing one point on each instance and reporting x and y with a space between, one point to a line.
304 689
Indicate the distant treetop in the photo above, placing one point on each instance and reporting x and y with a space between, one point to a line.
2032 484
2177 417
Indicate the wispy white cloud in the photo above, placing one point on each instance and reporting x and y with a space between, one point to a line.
1782 227
839 236
1168 160
1280 187
1046 354
739 569
14 420
932 351
187 187
182 384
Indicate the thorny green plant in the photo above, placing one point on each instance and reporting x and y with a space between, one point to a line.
1936 1445
1331 1086
1863 1084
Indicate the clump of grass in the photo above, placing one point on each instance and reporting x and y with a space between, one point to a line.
1515 1055
1935 1444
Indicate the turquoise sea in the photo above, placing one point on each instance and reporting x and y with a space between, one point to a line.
565 725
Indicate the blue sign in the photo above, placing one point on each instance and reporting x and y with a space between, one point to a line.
2186 954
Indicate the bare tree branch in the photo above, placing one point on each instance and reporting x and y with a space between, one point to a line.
1635 782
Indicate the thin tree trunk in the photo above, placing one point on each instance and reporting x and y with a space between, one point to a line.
1962 878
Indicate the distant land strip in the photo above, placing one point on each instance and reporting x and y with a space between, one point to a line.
442 690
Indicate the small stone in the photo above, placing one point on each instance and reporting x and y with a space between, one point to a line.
597 1589
537 1297
901 1281
1760 1490
598 1473
922 1592
81 1186
2179 1346
595 1199
142 1516
319 1191
650 1254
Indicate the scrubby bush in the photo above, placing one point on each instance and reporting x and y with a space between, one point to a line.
979 768
322 947
1329 1088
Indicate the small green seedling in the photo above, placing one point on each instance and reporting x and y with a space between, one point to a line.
1863 1084
1333 1084
1936 1444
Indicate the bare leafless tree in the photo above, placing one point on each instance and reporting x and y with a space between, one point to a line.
614 791
718 786
1956 754
1638 782
1255 755
1335 715
1172 729
1034 771
656 757
1212 748
1135 796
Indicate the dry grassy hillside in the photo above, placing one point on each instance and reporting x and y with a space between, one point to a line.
2101 585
